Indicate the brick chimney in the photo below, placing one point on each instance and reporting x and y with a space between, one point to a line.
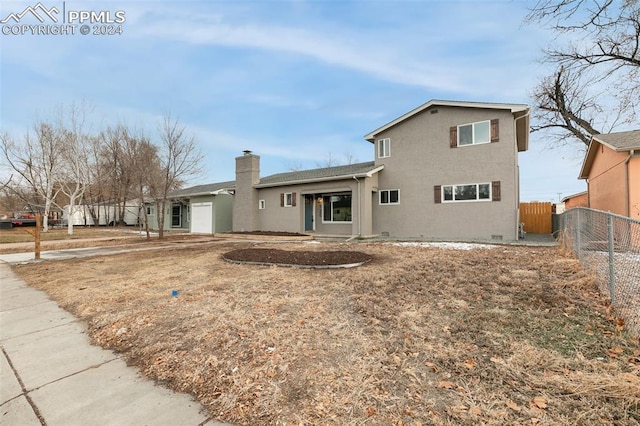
245 201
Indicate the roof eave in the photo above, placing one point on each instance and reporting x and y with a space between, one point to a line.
324 179
568 197
588 159
513 108
522 130
202 194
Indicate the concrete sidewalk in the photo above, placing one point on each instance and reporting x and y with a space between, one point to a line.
73 253
51 375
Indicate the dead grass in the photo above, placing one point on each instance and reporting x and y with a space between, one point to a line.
510 335
18 240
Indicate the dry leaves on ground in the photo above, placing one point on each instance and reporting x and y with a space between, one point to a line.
419 335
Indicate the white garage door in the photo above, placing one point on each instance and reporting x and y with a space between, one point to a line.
202 218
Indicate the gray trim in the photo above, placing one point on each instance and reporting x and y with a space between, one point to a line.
206 189
320 175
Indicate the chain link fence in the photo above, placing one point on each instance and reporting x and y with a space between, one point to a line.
609 245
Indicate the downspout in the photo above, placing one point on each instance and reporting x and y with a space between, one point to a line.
626 182
359 208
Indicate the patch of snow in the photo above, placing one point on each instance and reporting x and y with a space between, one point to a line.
448 246
143 233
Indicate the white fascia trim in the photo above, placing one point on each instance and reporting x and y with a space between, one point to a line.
200 194
511 107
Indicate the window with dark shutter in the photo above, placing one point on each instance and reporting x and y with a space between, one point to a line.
453 137
437 194
495 190
282 199
293 199
495 130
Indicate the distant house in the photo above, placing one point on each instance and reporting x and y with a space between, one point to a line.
106 213
202 209
612 169
574 200
445 170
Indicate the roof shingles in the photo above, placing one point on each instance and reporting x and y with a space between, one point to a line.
325 173
202 189
318 174
621 141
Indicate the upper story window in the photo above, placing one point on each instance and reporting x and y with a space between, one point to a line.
262 204
477 133
389 196
384 148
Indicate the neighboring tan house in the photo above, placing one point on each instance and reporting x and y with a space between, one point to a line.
612 169
575 200
445 170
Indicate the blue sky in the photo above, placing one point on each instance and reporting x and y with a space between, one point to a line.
295 81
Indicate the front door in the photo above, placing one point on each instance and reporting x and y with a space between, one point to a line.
176 215
308 213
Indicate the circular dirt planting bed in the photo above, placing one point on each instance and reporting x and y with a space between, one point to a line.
305 259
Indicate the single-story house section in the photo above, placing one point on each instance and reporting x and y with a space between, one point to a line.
330 201
445 170
202 209
612 169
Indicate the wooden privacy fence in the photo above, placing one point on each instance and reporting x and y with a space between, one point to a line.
536 217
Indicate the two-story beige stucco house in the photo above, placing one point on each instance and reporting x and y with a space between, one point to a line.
445 170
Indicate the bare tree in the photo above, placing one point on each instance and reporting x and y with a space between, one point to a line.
179 159
37 161
562 106
75 173
144 169
332 160
5 185
596 84
118 163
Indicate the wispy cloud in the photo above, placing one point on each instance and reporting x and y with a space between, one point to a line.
377 60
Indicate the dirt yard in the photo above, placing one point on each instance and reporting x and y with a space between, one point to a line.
417 335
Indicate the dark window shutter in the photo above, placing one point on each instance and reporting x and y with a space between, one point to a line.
293 199
282 199
437 194
495 131
453 137
495 190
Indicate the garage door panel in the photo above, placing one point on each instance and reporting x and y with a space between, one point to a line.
202 218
